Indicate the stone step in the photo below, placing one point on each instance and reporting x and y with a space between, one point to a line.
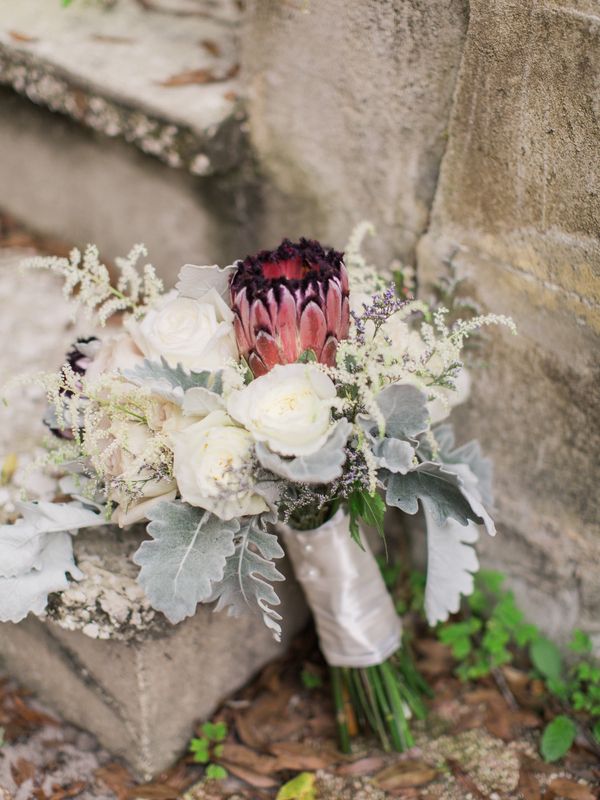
102 657
110 664
135 93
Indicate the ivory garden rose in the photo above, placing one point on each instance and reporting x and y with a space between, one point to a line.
289 408
211 461
196 333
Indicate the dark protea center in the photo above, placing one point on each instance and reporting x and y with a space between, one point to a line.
290 300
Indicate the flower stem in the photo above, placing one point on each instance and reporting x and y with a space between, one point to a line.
340 709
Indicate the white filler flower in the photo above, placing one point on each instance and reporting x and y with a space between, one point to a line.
211 467
289 408
195 333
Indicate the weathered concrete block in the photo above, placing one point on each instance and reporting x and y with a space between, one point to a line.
108 663
348 103
517 210
103 658
92 171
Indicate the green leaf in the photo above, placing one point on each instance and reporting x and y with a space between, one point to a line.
200 750
307 357
580 642
310 679
215 731
215 772
490 580
302 787
557 738
374 511
546 658
185 558
249 573
596 731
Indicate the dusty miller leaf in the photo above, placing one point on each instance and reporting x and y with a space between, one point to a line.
469 454
451 563
404 407
323 466
29 591
22 543
249 574
437 488
186 557
176 377
394 455
195 281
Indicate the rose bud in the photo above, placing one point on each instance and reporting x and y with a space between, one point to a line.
287 301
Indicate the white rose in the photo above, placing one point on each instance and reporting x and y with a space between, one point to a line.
210 465
116 354
289 408
128 442
195 333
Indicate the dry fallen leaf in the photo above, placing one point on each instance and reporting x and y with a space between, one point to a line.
211 47
118 779
563 787
404 774
200 76
298 756
529 786
22 771
17 36
364 766
101 37
246 757
249 775
65 792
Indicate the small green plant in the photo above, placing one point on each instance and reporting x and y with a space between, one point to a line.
208 749
492 629
311 679
576 688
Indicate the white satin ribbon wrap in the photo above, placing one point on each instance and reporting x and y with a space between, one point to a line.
355 617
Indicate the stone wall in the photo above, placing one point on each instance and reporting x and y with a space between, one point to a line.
348 105
352 106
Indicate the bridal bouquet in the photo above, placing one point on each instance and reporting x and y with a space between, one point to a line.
289 398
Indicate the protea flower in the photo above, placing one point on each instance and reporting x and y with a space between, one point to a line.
287 301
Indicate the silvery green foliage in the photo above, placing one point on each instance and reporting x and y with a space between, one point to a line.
194 281
22 543
185 558
442 491
404 408
323 466
199 402
35 554
394 455
451 562
29 591
250 572
160 373
469 454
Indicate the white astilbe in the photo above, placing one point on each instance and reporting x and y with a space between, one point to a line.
364 277
87 281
